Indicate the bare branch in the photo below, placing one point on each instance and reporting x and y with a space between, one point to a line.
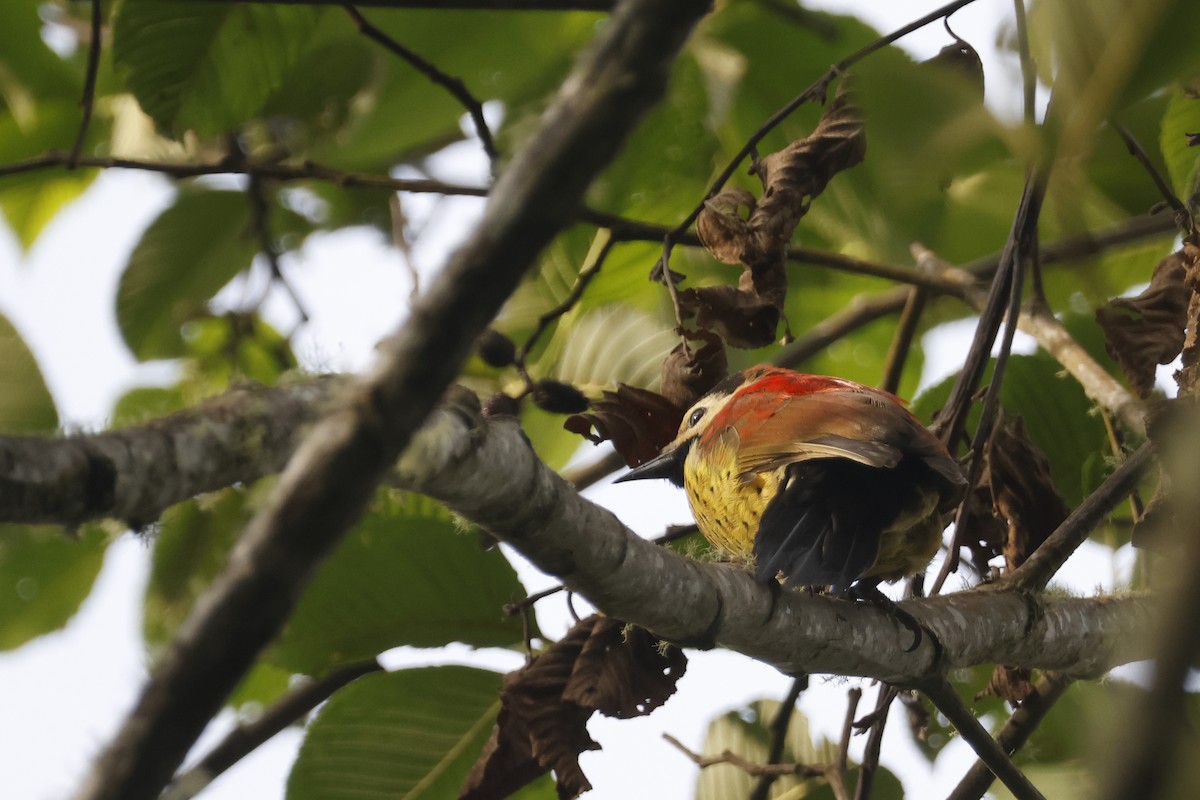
749 767
942 695
135 473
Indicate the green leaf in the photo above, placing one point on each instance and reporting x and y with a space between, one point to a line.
144 403
26 406
405 575
515 57
206 68
413 734
236 347
1181 118
191 547
261 686
45 574
193 249
30 200
29 69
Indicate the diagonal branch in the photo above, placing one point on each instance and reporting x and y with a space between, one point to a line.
330 479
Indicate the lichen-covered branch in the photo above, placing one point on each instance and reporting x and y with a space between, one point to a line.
134 474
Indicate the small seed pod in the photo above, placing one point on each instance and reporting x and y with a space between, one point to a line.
496 349
559 398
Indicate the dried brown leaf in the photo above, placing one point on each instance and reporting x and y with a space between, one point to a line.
638 422
722 227
689 372
742 318
1015 505
1143 331
1013 684
537 730
793 176
622 671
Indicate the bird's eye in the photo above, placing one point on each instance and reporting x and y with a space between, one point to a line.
696 416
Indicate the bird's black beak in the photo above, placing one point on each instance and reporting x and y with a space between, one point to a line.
669 465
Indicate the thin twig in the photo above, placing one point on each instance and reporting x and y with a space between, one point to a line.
852 699
245 738
906 329
749 767
400 242
457 89
675 533
1053 337
1028 73
877 722
1041 566
87 102
260 221
1005 293
779 730
816 90
942 695
1015 733
589 271
1183 216
276 171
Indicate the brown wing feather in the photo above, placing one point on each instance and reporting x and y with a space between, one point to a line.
854 424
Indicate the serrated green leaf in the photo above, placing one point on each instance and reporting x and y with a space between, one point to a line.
45 574
26 406
516 57
1182 117
187 254
405 575
206 68
413 734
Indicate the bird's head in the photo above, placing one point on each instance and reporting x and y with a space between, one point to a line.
696 421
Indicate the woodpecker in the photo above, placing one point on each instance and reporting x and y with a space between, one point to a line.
818 481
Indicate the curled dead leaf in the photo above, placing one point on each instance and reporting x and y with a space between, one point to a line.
637 421
1143 331
689 372
722 227
1015 506
545 706
1013 684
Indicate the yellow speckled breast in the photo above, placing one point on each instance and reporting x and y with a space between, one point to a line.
727 509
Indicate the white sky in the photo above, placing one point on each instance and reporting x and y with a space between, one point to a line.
64 694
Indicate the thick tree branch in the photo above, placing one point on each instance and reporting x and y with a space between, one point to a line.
330 479
485 470
135 473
